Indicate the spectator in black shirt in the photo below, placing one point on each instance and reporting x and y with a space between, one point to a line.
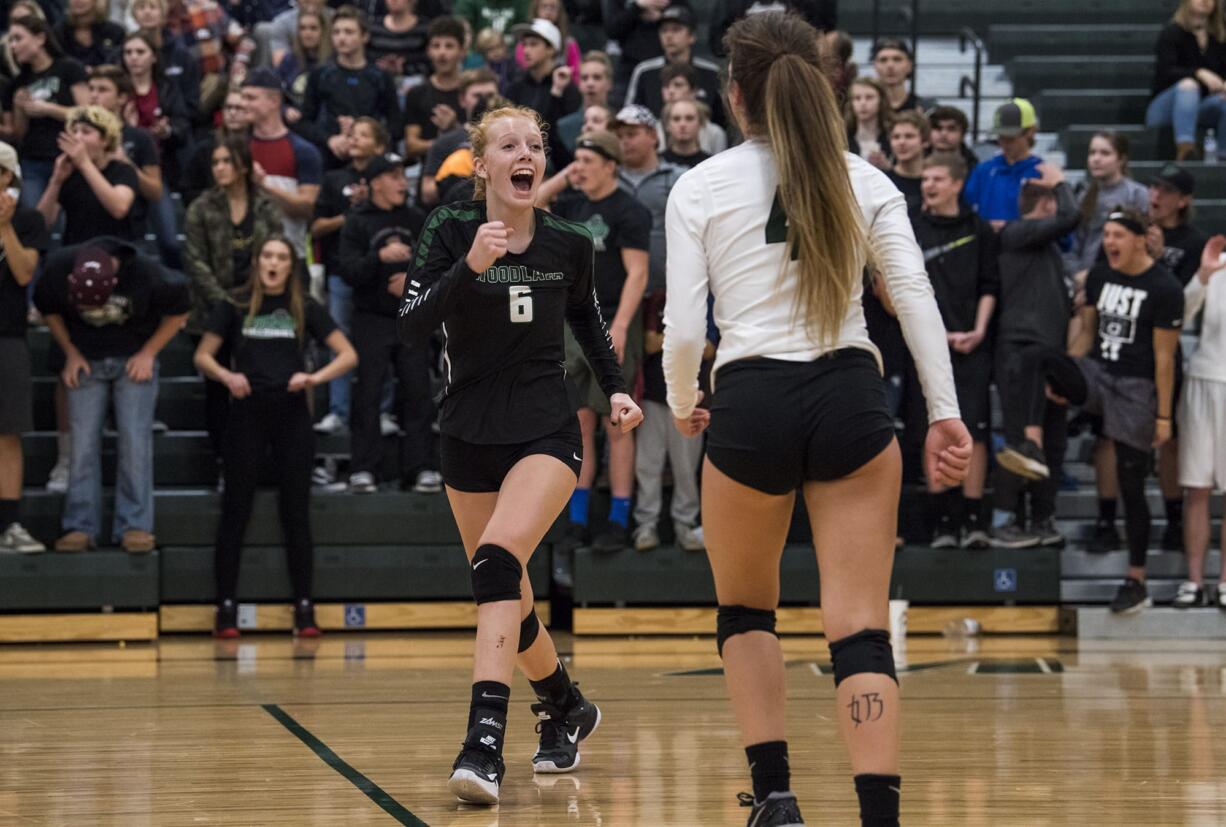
949 127
266 330
37 104
621 230
345 88
399 40
595 85
960 255
110 88
676 29
1190 76
894 65
478 93
635 24
111 311
908 138
545 84
683 121
234 121
1172 239
310 49
95 190
23 236
376 250
87 35
434 106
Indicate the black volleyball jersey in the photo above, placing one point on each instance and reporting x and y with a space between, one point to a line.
503 357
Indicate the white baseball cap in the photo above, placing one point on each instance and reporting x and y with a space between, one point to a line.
8 160
542 28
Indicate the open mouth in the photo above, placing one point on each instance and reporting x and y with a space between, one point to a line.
522 180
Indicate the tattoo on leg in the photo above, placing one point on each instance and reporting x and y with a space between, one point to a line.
866 708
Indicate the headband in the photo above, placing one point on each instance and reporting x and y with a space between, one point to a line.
1127 222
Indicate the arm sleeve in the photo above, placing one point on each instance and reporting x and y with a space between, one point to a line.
196 257
359 263
219 319
1094 286
308 126
439 277
390 104
309 162
1194 297
1168 312
902 263
47 298
1031 232
620 18
318 322
587 323
989 256
685 309
1167 68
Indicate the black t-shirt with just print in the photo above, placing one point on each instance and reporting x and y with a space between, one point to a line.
1129 309
266 347
617 222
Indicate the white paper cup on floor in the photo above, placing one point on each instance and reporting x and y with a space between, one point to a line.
898 622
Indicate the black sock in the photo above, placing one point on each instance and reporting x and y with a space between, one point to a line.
947 507
878 800
1106 511
487 715
971 509
1174 511
8 513
555 690
768 764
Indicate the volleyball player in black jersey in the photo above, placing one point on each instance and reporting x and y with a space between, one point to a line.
500 278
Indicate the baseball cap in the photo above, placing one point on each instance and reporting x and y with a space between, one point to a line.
602 143
263 78
388 162
542 28
896 44
1014 117
93 277
8 160
634 115
1172 175
678 14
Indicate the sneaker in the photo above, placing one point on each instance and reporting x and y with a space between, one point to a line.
646 537
610 538
690 537
1172 537
561 733
1049 535
975 537
330 424
1026 459
778 810
428 482
388 426
476 775
363 482
304 620
74 541
1220 597
16 538
57 480
225 625
135 541
1189 596
1013 535
324 474
1132 598
944 538
1104 539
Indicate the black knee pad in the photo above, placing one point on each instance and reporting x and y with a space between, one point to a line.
866 651
496 574
529 628
737 620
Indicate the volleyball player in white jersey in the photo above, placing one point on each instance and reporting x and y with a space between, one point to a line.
778 230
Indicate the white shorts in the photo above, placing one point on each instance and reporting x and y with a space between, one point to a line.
1202 434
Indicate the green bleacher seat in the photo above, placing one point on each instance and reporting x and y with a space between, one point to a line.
1059 108
1006 42
1033 75
943 17
1144 144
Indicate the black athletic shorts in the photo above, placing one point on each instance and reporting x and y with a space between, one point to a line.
477 469
777 424
972 380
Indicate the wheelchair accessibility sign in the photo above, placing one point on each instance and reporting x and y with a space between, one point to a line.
1005 580
355 616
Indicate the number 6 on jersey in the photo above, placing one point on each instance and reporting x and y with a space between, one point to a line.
521 303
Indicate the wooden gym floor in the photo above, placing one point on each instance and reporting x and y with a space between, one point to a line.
361 729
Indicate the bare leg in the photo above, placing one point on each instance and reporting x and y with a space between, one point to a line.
1196 532
854 521
1104 469
976 478
587 427
10 467
1168 470
621 460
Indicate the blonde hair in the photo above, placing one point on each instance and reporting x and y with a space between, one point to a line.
98 118
776 65
478 135
1216 23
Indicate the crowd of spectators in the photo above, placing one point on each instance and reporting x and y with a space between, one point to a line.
331 130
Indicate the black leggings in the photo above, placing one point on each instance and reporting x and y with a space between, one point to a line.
1132 466
280 421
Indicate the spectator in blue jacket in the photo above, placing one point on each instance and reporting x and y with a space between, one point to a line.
995 185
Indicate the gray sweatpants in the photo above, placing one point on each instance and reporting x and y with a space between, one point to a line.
656 440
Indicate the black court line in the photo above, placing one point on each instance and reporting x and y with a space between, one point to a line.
369 788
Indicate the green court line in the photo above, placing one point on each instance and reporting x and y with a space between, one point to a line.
371 790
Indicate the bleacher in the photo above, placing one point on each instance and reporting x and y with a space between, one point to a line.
394 560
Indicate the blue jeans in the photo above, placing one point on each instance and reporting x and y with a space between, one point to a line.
1184 110
340 306
35 175
87 409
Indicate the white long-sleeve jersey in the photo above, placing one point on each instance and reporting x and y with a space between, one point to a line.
717 241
